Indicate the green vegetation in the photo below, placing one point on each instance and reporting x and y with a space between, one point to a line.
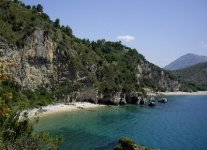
39 8
126 143
16 133
23 99
194 77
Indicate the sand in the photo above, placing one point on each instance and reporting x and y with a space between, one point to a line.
184 93
58 108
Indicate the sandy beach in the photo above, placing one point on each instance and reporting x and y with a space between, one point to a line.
58 108
184 93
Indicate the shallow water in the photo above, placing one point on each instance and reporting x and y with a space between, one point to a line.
177 125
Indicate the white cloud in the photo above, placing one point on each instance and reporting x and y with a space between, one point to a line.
126 38
204 44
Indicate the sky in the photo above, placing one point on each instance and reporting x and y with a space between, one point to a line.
161 30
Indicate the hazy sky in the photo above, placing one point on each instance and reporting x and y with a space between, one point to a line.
162 30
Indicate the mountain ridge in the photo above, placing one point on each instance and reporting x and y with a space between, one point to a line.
186 60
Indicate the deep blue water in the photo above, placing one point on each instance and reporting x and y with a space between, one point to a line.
180 124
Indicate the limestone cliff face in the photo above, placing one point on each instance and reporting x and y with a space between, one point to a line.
42 64
145 70
34 62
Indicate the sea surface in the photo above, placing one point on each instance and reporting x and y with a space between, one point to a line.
179 124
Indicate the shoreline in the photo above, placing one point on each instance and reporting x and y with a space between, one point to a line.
62 107
58 108
183 93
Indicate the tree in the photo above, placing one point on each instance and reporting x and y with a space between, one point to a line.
34 10
39 8
16 1
28 7
45 16
57 23
68 31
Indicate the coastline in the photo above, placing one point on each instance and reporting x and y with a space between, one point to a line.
58 108
62 107
183 93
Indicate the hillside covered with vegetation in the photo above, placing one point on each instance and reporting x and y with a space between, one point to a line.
49 56
194 77
16 133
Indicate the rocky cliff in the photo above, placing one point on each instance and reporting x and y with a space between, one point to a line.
34 61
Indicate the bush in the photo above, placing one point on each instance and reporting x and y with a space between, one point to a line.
126 143
45 17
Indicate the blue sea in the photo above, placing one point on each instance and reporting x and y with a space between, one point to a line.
180 124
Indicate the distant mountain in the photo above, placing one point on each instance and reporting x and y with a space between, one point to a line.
186 61
194 77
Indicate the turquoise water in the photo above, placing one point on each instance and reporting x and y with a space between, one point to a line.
178 125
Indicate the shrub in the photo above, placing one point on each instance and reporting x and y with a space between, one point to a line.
126 143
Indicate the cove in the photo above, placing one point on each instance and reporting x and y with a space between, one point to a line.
179 124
